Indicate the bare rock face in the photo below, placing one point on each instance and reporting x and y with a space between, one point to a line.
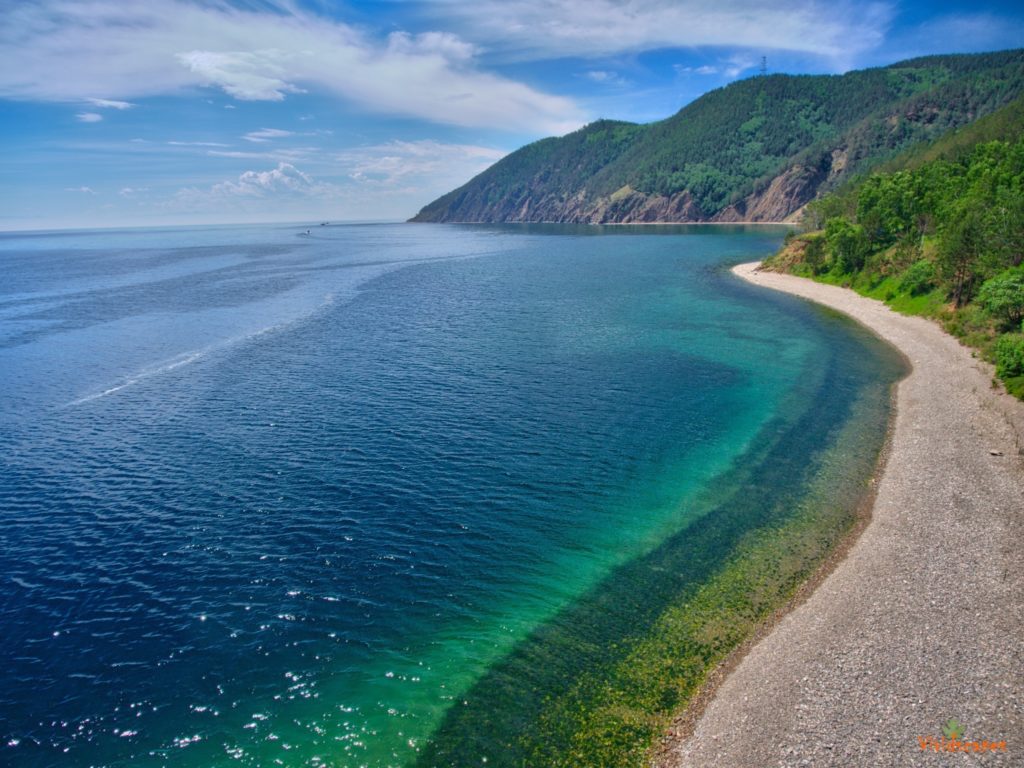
638 208
624 207
786 193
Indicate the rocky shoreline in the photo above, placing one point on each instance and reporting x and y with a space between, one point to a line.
916 634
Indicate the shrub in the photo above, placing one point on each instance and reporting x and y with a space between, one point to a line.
1010 355
1003 297
919 278
814 252
848 244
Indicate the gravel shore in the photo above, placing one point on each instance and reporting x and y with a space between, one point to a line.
923 621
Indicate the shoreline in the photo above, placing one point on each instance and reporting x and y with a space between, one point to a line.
619 223
910 622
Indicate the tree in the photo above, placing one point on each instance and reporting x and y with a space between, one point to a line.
960 250
848 244
888 207
1006 227
1003 297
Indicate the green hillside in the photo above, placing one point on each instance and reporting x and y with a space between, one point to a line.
757 149
937 231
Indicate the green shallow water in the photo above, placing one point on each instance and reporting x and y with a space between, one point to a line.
598 683
400 495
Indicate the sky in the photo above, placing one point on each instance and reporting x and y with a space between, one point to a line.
161 112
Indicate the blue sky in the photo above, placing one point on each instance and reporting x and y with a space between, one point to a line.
147 112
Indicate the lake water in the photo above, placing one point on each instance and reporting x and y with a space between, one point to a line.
269 498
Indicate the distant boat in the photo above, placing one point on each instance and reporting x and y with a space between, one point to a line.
323 223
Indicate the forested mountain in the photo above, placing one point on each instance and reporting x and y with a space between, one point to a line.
756 150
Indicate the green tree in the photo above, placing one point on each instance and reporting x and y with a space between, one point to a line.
960 251
848 244
1006 224
814 252
1003 297
888 207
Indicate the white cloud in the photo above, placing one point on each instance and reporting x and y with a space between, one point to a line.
69 51
130 191
283 181
705 69
731 66
110 104
266 134
277 194
605 77
285 178
83 190
197 144
248 76
88 117
738 64
442 44
531 29
426 161
290 155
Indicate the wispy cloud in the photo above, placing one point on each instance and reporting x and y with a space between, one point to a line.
69 51
705 69
82 190
197 144
88 117
730 66
404 162
266 134
539 29
132 191
605 77
110 104
290 155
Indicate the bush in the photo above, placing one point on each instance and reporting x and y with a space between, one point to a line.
1010 355
1003 297
814 252
919 278
848 244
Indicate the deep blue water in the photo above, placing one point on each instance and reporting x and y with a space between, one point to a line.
275 499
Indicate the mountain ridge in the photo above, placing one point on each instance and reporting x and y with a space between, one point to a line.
789 139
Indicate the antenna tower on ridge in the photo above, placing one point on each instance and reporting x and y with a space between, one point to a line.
764 66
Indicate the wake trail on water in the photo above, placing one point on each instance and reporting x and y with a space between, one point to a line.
187 358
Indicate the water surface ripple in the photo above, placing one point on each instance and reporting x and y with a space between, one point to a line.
270 499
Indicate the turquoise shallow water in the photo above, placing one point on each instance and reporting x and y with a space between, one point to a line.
274 499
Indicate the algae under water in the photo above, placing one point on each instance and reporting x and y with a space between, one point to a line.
391 494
